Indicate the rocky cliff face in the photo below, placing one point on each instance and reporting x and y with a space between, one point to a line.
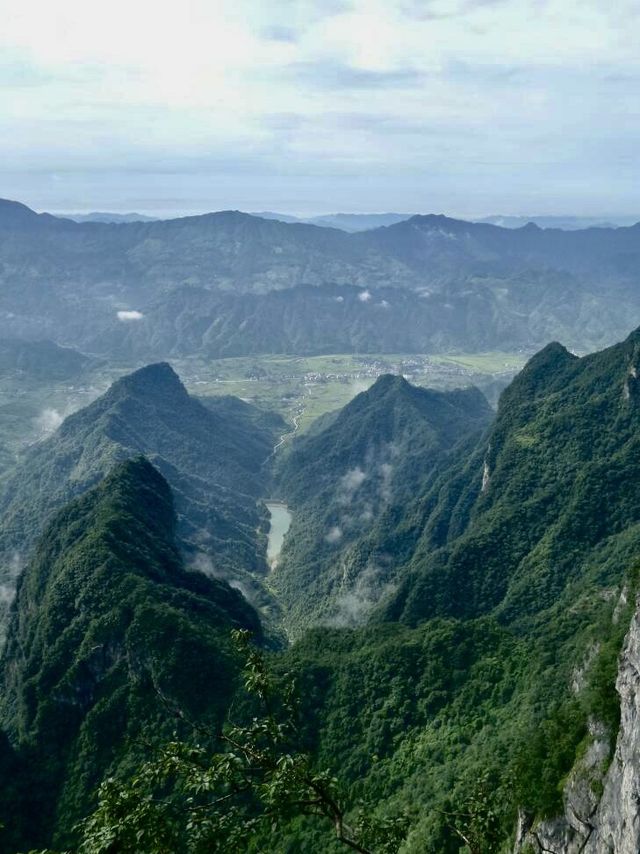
616 825
602 807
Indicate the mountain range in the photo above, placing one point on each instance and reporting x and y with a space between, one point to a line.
457 645
456 595
233 284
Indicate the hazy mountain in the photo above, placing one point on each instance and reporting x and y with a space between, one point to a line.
343 477
277 216
211 455
106 622
344 221
566 223
41 360
358 222
425 284
102 216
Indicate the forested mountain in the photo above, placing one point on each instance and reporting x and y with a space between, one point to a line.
40 360
211 455
550 494
342 478
496 658
420 285
465 583
108 635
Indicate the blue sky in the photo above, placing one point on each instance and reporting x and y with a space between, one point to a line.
467 107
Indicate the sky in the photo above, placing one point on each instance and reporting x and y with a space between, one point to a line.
466 107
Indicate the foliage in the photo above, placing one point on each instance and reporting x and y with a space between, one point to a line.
190 800
346 477
211 456
107 620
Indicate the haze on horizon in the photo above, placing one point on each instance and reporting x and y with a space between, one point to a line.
467 107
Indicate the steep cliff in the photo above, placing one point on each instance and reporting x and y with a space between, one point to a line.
602 793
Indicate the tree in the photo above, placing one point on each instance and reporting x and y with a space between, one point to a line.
189 798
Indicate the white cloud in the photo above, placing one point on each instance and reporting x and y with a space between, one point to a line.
334 535
419 96
364 296
349 484
48 421
126 316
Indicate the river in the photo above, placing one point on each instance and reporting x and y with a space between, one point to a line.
279 522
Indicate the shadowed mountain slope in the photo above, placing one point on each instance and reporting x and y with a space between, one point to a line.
108 630
347 475
211 455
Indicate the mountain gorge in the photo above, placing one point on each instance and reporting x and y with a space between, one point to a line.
211 455
457 643
456 595
347 477
495 657
229 283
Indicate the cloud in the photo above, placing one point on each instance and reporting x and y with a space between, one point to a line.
364 296
332 76
279 33
126 316
468 106
8 587
48 421
334 535
349 484
369 587
7 594
386 474
202 562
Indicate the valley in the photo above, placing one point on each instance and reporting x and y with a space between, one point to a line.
276 549
319 427
425 552
299 388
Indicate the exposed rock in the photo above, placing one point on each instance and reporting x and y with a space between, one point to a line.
617 822
486 476
608 823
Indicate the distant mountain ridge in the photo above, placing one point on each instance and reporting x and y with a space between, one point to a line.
345 221
199 285
365 222
105 216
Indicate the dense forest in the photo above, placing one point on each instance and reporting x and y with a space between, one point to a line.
430 666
